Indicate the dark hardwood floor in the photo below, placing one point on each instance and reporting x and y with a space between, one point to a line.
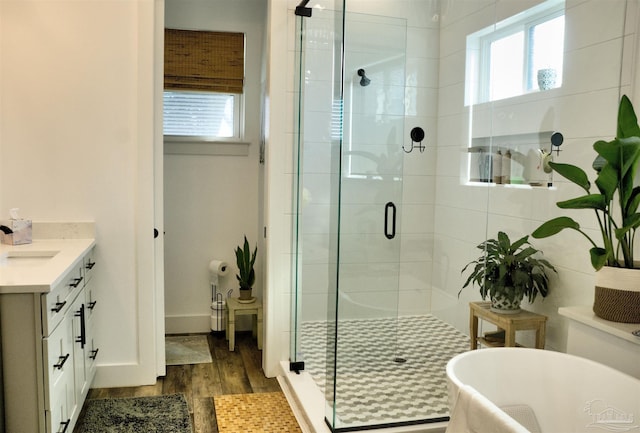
238 372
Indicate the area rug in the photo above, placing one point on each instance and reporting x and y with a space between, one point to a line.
157 414
187 349
254 413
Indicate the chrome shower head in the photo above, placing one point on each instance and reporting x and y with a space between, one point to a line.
364 81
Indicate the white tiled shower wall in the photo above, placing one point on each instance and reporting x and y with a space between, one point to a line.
370 264
443 219
583 110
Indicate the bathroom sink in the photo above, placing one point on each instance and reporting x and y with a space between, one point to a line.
26 258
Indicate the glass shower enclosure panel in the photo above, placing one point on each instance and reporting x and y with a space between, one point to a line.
349 130
363 309
317 141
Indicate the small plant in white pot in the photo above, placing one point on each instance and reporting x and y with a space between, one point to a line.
615 204
507 272
246 276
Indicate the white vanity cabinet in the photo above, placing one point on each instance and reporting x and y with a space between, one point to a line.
59 377
49 349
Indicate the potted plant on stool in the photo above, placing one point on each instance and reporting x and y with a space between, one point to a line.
616 204
246 274
506 272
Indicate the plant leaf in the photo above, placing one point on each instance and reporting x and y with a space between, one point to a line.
526 253
630 223
607 181
634 201
598 257
554 226
591 201
621 153
572 173
627 120
520 242
503 241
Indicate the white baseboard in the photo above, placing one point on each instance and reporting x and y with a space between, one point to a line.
121 375
187 324
198 323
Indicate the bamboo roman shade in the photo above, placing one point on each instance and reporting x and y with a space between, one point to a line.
203 61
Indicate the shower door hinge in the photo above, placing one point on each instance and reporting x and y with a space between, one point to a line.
302 10
296 366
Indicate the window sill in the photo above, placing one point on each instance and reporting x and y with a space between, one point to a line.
523 185
218 148
528 97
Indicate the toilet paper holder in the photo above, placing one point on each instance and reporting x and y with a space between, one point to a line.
217 268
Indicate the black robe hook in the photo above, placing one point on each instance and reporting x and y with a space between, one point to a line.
417 135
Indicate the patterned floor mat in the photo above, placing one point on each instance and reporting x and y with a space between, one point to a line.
187 349
388 371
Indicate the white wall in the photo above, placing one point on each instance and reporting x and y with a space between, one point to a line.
584 110
278 177
211 201
2 42
76 92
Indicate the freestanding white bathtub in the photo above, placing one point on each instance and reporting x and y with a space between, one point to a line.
562 393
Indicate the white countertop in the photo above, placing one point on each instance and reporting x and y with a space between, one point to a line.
23 271
586 316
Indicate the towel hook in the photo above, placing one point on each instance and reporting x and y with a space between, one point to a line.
556 140
417 135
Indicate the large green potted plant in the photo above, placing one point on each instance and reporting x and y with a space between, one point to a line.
615 204
246 276
506 272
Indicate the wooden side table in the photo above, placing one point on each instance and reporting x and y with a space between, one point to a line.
509 323
236 308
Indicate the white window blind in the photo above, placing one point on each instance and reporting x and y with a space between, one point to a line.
199 114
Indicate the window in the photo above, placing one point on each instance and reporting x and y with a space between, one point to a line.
519 55
203 81
201 114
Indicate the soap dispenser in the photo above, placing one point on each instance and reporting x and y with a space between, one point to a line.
497 167
506 167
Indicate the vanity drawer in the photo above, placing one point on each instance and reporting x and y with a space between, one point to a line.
58 357
92 352
88 265
56 303
58 417
91 301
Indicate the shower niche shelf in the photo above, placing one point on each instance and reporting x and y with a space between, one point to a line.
515 160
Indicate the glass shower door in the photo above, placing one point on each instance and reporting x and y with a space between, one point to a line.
350 96
363 310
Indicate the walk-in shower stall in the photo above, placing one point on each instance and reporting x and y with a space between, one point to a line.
422 127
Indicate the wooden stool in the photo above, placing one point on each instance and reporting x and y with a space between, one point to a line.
508 323
236 308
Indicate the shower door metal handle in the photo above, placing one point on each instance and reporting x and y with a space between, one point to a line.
390 208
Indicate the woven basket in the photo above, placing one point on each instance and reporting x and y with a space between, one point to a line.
617 296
